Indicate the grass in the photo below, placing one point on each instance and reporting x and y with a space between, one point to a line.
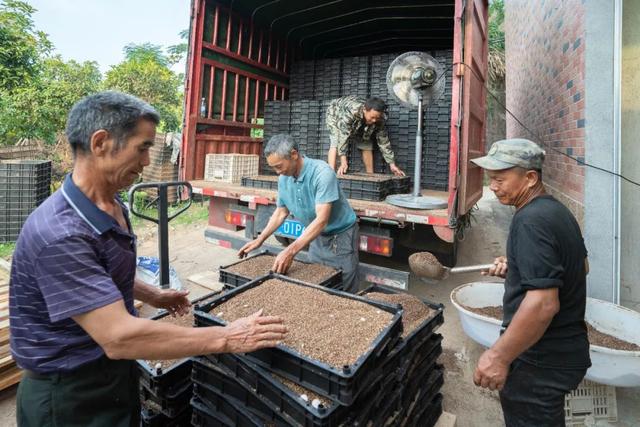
197 213
6 249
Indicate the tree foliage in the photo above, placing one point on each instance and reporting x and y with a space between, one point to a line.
37 90
146 74
39 110
21 45
497 65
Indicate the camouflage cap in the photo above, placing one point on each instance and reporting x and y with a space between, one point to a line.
509 153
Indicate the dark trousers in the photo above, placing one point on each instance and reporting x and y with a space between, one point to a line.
534 396
102 393
339 251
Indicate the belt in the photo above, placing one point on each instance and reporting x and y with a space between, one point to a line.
80 370
35 376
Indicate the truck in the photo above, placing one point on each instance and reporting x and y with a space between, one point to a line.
249 61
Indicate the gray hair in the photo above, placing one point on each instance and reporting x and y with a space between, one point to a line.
281 145
115 112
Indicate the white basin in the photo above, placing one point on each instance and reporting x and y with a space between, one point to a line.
617 368
482 329
614 367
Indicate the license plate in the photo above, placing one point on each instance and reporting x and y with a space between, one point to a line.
290 228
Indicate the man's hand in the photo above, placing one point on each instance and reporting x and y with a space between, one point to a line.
396 170
499 268
283 261
253 333
248 247
491 371
344 166
175 302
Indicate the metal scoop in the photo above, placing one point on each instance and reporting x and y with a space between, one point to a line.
426 265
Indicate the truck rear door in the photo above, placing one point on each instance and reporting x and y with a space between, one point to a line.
469 95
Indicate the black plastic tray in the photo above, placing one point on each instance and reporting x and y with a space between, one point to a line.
259 381
171 405
254 182
420 333
428 415
150 418
420 359
235 280
423 389
223 413
283 400
251 404
168 381
342 385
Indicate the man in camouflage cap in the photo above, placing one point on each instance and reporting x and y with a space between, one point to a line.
543 350
353 119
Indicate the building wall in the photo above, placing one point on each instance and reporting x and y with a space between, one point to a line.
545 51
630 200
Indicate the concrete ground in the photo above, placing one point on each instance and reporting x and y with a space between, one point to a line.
473 407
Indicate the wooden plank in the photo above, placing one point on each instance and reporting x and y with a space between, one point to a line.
10 378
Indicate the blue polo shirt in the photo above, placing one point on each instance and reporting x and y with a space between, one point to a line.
317 184
70 258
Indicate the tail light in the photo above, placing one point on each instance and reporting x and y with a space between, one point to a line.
237 218
376 245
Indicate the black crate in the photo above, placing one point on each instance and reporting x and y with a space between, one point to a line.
163 382
150 418
428 415
221 413
423 331
235 280
258 182
256 380
172 404
421 388
342 385
238 397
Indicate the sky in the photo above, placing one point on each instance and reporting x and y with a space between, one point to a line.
98 30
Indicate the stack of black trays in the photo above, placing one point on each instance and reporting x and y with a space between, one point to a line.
396 382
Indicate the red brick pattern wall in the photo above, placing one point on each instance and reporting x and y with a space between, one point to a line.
545 55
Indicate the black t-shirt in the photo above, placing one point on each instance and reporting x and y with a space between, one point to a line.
545 249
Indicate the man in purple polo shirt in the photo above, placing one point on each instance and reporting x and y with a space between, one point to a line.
74 329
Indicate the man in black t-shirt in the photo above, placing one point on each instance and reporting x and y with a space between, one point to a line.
543 350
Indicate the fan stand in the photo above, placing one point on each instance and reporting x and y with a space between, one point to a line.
416 200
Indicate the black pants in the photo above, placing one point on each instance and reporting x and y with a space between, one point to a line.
101 393
534 396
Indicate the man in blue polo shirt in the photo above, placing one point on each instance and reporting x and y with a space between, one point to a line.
308 189
73 326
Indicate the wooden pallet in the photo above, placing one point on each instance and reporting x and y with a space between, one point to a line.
10 374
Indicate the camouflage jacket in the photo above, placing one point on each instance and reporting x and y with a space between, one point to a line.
345 120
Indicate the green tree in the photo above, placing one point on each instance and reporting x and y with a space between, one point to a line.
40 109
21 45
145 73
178 51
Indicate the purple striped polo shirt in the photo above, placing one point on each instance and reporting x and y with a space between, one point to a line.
70 258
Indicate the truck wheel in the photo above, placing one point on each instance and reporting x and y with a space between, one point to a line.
449 257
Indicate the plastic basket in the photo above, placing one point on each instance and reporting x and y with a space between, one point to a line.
423 331
230 167
221 412
590 399
172 405
342 385
234 280
280 398
165 382
268 182
150 418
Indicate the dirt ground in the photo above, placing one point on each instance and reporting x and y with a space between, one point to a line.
474 407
